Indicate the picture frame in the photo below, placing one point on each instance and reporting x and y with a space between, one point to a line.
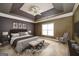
24 26
15 25
19 25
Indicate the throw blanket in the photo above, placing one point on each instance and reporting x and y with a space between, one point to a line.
18 39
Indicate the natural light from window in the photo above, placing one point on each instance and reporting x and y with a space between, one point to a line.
48 29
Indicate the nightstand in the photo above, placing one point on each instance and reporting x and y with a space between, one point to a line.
72 48
4 40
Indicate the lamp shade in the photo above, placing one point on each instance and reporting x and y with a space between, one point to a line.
29 31
4 33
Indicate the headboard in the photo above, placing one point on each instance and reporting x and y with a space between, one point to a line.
17 30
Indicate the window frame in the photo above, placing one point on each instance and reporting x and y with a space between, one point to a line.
48 29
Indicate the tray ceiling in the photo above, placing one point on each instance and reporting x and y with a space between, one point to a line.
42 7
46 9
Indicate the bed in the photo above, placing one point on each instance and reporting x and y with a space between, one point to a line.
19 39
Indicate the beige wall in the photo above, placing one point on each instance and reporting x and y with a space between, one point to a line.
60 26
76 15
76 19
38 29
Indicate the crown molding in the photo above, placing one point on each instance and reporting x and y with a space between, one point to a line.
15 17
56 17
75 7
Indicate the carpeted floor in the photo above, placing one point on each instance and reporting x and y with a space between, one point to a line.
51 48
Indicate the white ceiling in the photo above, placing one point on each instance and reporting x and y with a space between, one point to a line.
43 7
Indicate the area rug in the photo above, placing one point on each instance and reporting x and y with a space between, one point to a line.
35 52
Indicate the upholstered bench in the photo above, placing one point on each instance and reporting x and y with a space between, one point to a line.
36 44
33 44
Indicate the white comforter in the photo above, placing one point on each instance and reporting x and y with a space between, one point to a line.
22 44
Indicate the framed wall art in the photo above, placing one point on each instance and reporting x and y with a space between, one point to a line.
15 25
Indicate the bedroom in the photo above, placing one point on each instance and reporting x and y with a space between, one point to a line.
39 29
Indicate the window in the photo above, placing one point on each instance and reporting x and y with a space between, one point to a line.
48 29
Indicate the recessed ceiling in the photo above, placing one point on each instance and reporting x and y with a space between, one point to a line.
42 6
46 9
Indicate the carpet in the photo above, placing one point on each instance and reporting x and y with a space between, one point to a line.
3 54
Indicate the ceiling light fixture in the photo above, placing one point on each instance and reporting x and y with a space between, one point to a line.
35 10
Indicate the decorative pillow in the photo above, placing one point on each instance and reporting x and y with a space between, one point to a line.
26 33
14 34
61 38
21 33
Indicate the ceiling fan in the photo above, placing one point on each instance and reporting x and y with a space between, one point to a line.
35 10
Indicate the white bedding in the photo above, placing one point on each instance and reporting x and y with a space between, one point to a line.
14 38
22 44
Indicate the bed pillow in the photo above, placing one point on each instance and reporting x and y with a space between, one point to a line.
21 33
14 34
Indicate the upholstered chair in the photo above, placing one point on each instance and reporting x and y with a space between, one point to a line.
64 38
